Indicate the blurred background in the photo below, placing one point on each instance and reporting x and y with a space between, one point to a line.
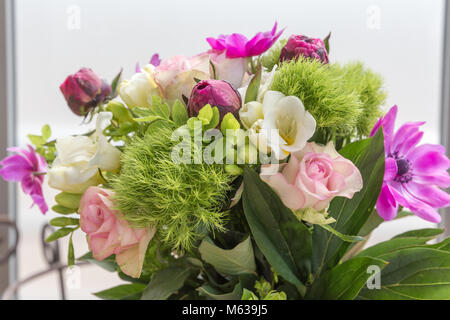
403 40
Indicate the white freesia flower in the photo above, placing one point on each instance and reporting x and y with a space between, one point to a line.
287 126
79 158
137 91
250 113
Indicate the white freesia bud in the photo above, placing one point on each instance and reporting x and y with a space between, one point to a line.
79 158
250 113
137 91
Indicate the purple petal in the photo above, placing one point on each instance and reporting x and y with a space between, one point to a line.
429 159
406 137
137 68
155 60
390 169
217 44
419 208
15 167
236 45
387 206
440 179
431 195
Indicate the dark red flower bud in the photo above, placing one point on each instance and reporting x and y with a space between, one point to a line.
84 90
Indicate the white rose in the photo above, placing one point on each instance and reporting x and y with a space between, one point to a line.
137 91
79 158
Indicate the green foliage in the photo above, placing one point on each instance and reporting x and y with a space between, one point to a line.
166 282
236 261
182 200
369 87
272 57
351 214
253 86
281 237
264 291
122 292
340 98
60 233
68 200
334 106
42 146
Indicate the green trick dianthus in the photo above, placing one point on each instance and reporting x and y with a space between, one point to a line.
369 87
182 200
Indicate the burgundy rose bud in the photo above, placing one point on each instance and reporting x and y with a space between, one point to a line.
298 45
84 90
217 93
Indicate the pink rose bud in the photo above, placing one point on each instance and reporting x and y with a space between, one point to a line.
298 45
217 93
84 90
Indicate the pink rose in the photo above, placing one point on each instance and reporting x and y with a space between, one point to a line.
108 233
313 177
176 76
230 70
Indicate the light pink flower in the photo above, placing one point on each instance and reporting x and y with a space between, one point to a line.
108 233
176 76
313 177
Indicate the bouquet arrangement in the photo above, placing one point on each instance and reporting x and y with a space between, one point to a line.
255 170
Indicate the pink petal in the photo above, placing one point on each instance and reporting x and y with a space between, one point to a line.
289 194
431 195
430 162
387 205
390 169
440 179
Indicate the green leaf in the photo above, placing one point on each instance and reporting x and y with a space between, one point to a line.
281 237
109 264
344 281
413 273
63 210
248 295
64 221
229 122
59 234
121 113
68 200
253 86
36 140
165 283
46 132
215 294
351 214
179 113
70 253
214 122
160 108
149 118
114 84
140 112
343 237
122 292
326 41
414 238
239 260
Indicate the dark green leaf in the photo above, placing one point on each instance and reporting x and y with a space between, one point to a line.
165 283
413 273
108 264
114 84
122 292
327 42
215 294
239 260
351 214
344 281
281 237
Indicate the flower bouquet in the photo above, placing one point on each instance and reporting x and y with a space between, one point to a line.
255 170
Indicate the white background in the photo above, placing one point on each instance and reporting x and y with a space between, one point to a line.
400 39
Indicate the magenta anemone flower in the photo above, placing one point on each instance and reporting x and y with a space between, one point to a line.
237 45
413 174
28 168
